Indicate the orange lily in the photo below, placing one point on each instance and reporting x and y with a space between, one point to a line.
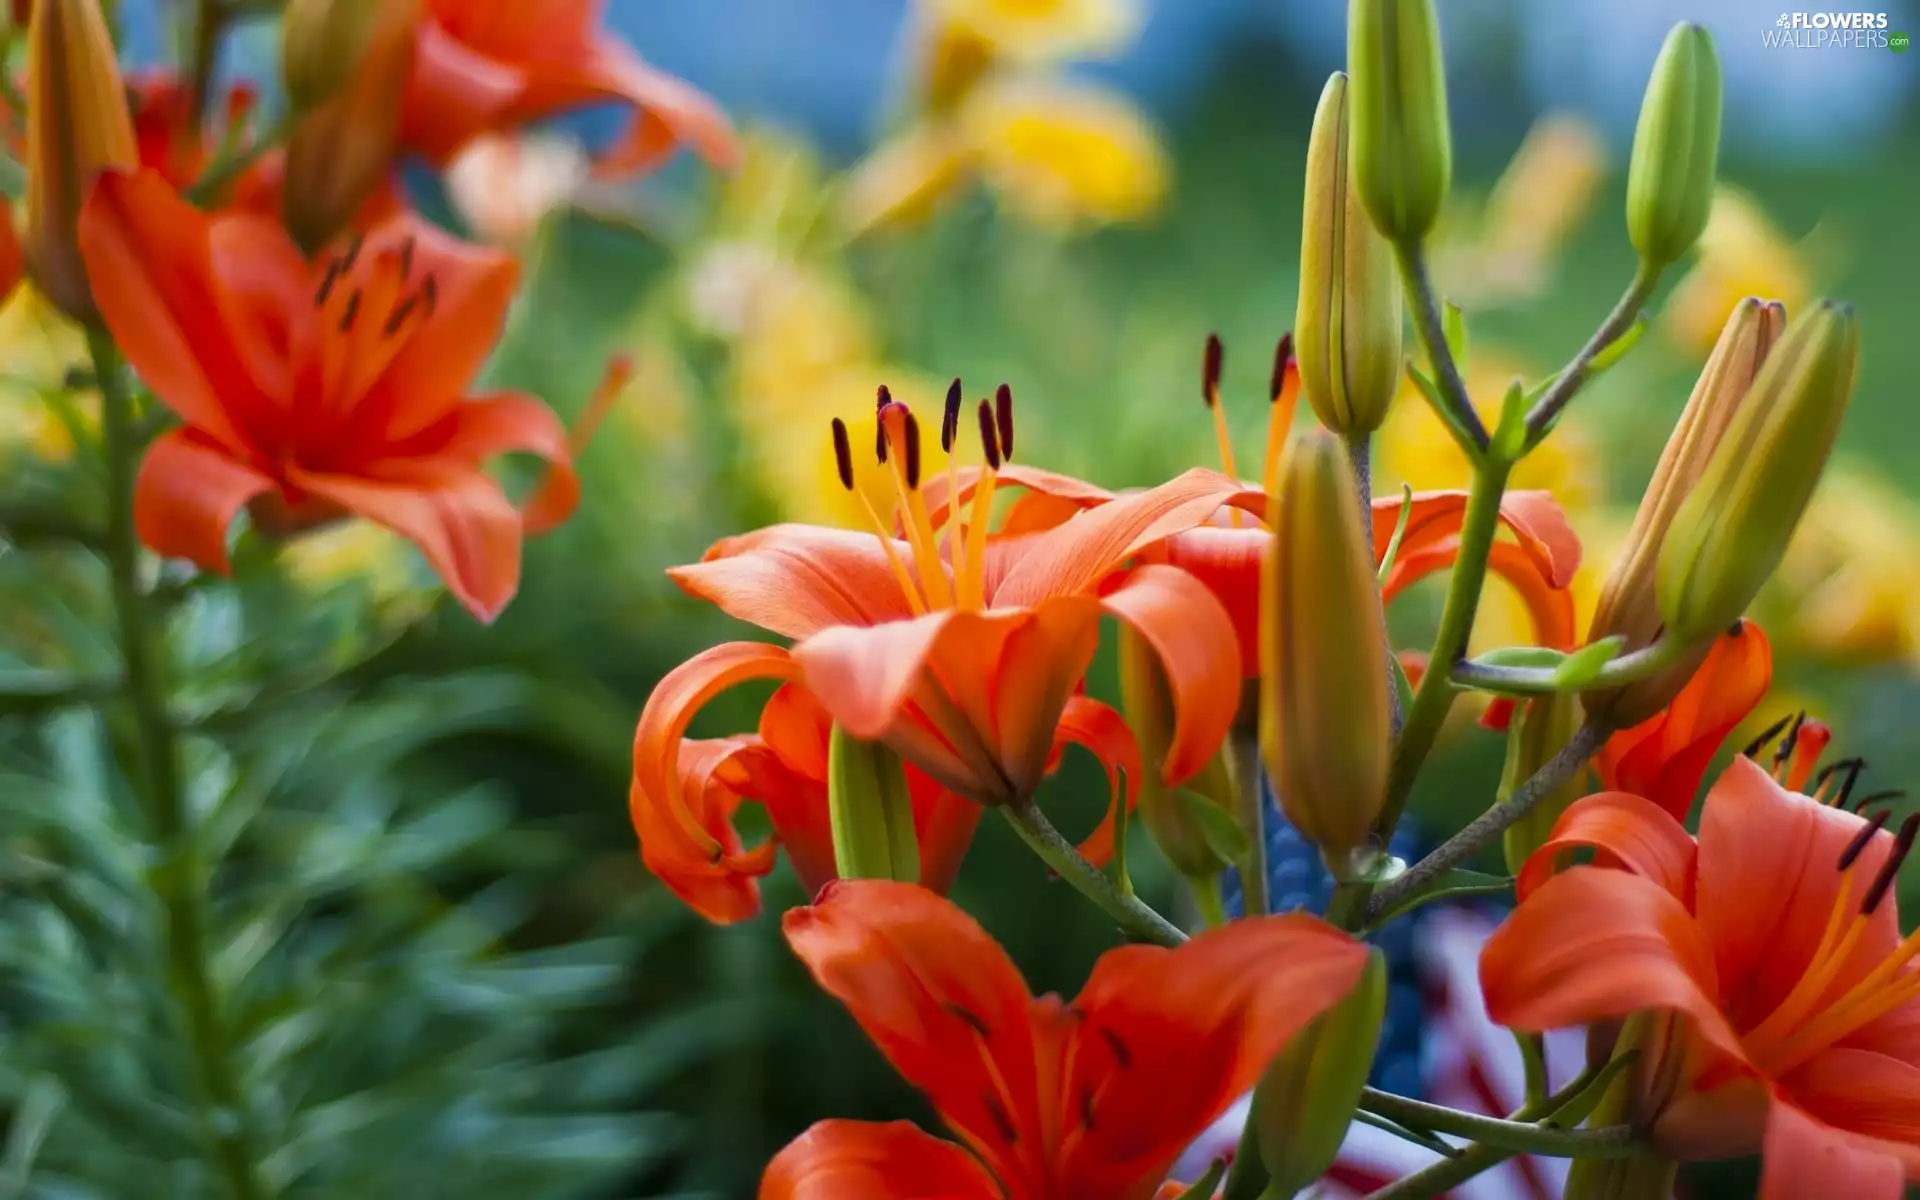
784 768
1054 1101
171 141
960 649
313 390
1773 946
490 65
1664 757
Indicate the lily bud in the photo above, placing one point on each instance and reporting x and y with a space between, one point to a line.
1676 148
1627 607
322 43
1347 327
1304 1104
1189 824
1323 662
870 811
77 127
1540 728
1731 533
343 148
1402 145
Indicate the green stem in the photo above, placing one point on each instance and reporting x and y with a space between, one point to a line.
1643 663
1520 1137
1533 1056
209 23
223 171
1433 335
1482 830
1057 852
180 877
1244 745
1570 380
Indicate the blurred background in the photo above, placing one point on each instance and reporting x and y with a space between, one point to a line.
1073 220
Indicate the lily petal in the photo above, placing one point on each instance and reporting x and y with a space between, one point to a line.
260 283
1102 731
1768 881
1862 1092
797 580
1194 637
1804 1157
1598 945
939 998
1040 663
668 111
860 1160
1534 517
513 422
1169 1038
1227 561
454 93
1628 833
709 881
147 254
1665 757
460 519
187 495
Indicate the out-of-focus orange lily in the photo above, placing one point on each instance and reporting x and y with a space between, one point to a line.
1055 1101
783 767
961 649
490 65
1786 1005
313 390
1664 757
172 140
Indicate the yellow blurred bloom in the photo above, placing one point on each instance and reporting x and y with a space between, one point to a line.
1542 196
38 348
1849 588
1741 254
1415 448
369 555
1060 153
904 180
1042 30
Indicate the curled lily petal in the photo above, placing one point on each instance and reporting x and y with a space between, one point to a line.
860 1160
188 494
1627 832
1194 637
1104 733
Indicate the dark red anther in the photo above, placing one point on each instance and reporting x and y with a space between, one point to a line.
352 253
989 436
327 281
1282 362
1858 845
401 312
950 417
1785 749
406 257
843 453
1003 417
913 450
1210 367
1883 882
881 399
348 317
1767 735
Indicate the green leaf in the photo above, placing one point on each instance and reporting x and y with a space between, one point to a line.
1529 658
1579 670
1217 825
1454 884
1453 324
1619 348
1441 409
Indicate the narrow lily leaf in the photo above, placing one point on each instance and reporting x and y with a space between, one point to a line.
1581 668
1532 658
1399 532
1461 435
1510 436
1453 324
1204 1187
1619 348
1217 825
1452 885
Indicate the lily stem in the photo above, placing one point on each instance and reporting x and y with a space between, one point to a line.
209 24
180 876
1135 917
1574 376
1539 681
1520 1137
1495 821
1433 335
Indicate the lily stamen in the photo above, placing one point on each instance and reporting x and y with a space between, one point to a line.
901 429
973 587
1767 735
1849 769
952 530
843 460
1283 397
1211 366
1881 991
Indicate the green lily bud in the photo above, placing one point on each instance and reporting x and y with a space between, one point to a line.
1731 533
1305 1102
1402 145
1627 607
1676 147
1540 728
1347 328
1323 663
1192 825
870 811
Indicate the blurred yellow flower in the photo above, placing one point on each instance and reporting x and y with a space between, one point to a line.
1060 153
904 180
1741 254
38 349
1413 447
1542 196
368 555
504 185
1849 588
1042 30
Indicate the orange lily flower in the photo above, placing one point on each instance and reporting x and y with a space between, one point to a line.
784 768
171 141
313 390
489 65
960 649
1773 947
1054 1101
1665 757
